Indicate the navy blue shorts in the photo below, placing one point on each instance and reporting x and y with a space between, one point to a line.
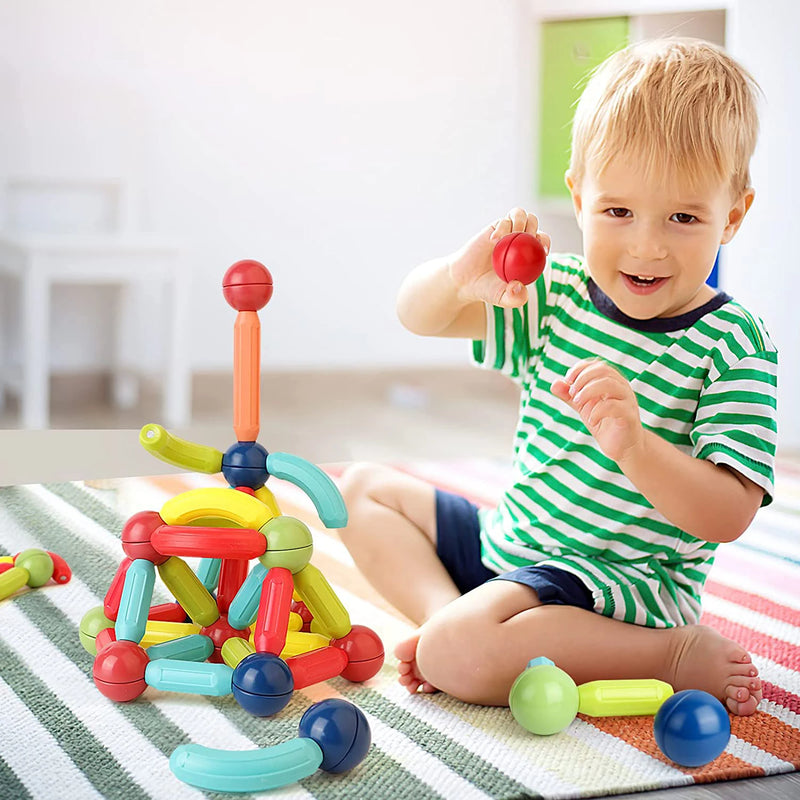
458 546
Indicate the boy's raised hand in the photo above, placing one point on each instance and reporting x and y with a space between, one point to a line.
471 267
606 403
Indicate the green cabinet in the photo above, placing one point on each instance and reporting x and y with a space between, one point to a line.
570 50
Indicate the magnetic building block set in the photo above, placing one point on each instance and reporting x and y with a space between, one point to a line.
257 633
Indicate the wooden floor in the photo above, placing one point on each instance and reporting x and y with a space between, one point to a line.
390 415
324 416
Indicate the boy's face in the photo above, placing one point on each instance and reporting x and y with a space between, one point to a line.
650 243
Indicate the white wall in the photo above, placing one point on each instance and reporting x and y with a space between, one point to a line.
763 264
338 142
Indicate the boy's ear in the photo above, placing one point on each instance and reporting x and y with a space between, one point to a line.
577 203
737 214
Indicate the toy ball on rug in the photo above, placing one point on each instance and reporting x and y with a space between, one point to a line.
692 728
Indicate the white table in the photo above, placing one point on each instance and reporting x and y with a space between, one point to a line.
38 262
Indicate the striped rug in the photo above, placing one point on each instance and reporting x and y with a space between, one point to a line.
60 738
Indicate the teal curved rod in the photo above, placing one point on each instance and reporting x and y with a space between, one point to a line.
314 482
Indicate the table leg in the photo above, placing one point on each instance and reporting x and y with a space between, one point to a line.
34 347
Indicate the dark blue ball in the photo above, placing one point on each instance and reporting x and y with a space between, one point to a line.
341 730
262 684
692 728
245 464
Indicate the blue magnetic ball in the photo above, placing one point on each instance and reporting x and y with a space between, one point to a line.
692 728
245 464
262 684
341 730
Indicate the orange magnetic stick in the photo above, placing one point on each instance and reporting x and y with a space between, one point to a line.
246 375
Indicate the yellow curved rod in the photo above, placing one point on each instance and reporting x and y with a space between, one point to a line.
239 508
158 441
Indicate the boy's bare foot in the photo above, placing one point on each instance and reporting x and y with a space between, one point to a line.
703 658
409 674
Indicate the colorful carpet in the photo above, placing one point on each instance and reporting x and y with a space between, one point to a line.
59 737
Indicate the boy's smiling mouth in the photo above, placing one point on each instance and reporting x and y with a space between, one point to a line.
642 284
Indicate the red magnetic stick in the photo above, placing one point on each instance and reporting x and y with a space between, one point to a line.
519 257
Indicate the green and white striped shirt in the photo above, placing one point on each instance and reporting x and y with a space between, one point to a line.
705 381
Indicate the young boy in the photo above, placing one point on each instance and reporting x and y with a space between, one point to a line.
646 432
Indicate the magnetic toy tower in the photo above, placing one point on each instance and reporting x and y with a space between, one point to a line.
260 632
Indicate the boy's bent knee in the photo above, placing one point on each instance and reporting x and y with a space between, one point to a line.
360 480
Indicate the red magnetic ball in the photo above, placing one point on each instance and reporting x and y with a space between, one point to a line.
119 670
247 285
519 257
365 653
136 537
219 632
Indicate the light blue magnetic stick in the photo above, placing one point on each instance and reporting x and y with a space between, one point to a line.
246 770
189 677
314 482
134 604
244 606
208 572
194 647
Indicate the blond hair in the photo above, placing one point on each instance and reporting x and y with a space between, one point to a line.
682 104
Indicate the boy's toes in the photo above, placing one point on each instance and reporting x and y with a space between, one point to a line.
407 649
744 709
740 699
410 681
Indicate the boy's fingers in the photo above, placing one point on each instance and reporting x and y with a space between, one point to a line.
584 371
560 389
513 295
518 218
575 370
600 387
545 240
531 224
502 228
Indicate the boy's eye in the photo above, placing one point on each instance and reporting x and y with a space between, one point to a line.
684 218
618 212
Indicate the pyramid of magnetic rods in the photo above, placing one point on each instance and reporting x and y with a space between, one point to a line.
137 645
260 680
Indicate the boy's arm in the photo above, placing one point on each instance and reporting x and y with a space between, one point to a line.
706 500
447 296
429 304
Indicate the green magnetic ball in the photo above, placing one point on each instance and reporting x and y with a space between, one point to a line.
94 621
543 699
289 544
38 563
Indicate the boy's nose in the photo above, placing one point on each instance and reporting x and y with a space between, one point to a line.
647 244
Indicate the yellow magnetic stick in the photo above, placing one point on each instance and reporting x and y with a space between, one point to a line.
12 580
330 616
158 441
187 589
233 650
624 698
298 642
268 499
199 504
157 631
295 621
